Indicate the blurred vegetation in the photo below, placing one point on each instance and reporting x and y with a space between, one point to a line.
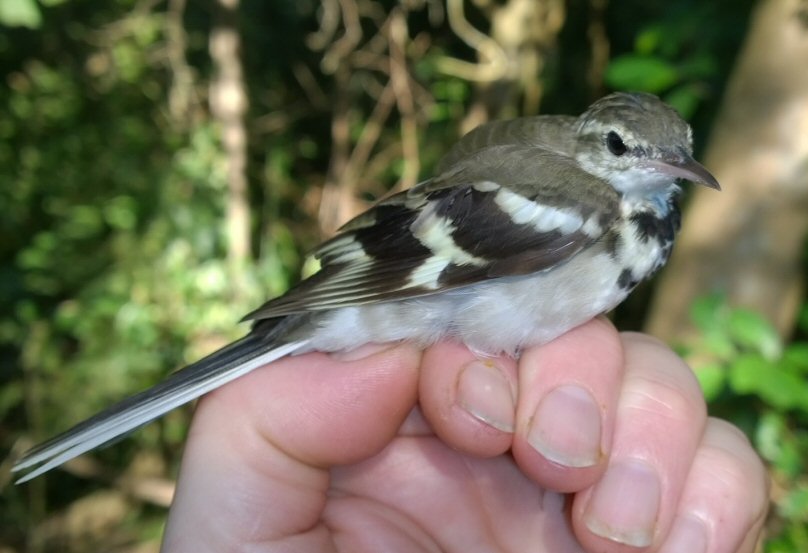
115 197
751 377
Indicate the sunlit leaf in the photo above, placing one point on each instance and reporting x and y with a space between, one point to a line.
121 212
795 504
712 379
717 342
753 331
20 13
707 311
752 374
769 435
796 357
748 373
645 73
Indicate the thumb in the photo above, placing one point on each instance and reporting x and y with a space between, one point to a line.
255 467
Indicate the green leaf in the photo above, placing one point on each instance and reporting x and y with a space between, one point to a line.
717 342
20 13
775 441
796 357
708 311
712 378
751 330
121 212
685 100
646 73
802 319
747 374
699 66
795 504
649 39
11 395
752 374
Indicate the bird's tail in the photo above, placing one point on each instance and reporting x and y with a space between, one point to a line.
187 384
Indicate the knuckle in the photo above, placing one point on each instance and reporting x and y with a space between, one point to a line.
736 474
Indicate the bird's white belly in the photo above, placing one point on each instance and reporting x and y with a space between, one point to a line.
504 317
500 315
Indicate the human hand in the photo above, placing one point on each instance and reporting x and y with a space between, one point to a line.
385 449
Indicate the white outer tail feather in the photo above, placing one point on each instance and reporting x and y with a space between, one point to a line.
131 419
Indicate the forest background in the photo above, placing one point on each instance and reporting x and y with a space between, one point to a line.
168 164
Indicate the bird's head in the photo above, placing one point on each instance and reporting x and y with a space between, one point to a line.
639 144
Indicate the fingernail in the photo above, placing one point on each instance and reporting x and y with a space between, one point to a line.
625 503
688 535
484 392
566 427
361 352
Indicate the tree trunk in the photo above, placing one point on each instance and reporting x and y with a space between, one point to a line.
746 242
228 103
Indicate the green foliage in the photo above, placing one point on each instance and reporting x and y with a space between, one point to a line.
112 242
20 13
755 380
677 56
114 261
451 96
639 72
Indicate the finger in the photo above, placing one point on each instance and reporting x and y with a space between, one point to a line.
440 500
568 393
660 422
725 499
267 439
468 400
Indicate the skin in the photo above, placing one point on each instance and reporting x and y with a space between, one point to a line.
391 449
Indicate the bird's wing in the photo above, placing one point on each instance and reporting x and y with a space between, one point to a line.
504 210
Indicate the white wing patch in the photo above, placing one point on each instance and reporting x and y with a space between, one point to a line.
435 232
343 249
427 273
592 227
523 211
486 186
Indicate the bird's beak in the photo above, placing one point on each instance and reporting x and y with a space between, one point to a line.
683 166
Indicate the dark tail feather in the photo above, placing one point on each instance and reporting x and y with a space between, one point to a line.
187 384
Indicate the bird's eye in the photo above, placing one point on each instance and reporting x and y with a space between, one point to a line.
615 144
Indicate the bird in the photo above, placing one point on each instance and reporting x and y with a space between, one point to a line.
528 228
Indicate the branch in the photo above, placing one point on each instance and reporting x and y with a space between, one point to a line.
400 81
495 65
